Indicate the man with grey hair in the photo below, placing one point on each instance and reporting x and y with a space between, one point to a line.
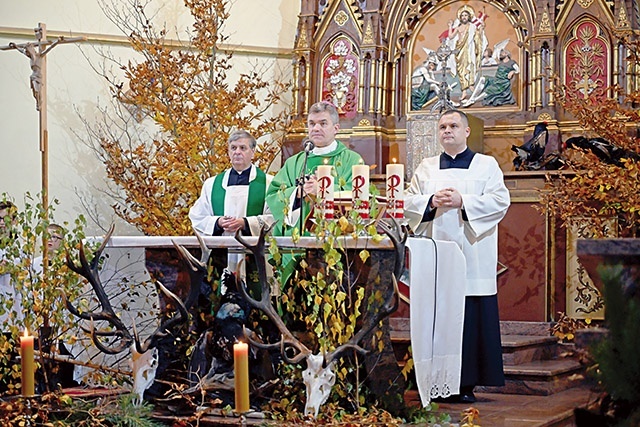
234 199
283 197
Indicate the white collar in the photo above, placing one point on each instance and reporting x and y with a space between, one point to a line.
320 151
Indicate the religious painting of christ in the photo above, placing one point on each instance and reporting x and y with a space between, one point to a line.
471 49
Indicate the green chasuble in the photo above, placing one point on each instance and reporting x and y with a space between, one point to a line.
283 186
284 183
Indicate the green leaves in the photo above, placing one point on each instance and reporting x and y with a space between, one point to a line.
37 304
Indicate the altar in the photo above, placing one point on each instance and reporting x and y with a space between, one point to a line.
436 289
127 260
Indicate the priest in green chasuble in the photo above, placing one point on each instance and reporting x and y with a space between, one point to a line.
282 196
235 199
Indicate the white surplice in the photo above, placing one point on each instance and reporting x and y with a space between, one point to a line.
235 205
437 284
485 199
9 293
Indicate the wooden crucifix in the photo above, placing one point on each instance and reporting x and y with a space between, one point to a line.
37 52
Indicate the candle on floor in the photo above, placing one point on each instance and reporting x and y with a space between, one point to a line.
325 190
395 189
28 364
360 189
241 374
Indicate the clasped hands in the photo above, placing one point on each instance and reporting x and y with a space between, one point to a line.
447 198
230 224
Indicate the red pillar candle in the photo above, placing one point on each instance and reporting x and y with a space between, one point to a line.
241 374
28 364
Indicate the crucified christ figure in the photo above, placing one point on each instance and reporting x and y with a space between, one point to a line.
35 59
35 62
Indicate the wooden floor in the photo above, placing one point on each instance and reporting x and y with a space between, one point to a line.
495 410
516 410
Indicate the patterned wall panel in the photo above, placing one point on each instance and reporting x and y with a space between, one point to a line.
522 246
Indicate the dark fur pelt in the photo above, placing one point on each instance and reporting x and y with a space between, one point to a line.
213 352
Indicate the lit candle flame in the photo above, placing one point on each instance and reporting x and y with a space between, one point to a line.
326 161
26 332
393 160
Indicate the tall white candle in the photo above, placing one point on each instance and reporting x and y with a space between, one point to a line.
395 190
360 189
325 190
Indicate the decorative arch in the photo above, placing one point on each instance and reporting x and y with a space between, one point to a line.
406 19
586 57
485 60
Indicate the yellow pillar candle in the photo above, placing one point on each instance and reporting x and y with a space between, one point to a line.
395 189
325 190
360 189
241 374
28 364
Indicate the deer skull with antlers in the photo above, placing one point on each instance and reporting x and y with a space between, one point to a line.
144 355
318 376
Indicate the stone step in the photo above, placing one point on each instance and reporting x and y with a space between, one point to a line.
513 327
518 349
542 377
543 368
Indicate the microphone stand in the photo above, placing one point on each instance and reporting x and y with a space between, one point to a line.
301 180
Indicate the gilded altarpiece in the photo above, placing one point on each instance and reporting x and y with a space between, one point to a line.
380 62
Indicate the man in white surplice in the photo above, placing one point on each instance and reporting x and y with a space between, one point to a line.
460 196
234 199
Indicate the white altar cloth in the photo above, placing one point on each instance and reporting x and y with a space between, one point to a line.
230 242
437 275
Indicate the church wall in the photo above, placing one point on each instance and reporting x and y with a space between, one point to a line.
262 33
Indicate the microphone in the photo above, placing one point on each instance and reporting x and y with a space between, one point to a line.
308 145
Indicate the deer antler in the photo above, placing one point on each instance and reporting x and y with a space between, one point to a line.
90 271
287 340
318 377
398 236
197 267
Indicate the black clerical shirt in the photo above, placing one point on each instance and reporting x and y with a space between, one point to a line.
460 161
239 178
